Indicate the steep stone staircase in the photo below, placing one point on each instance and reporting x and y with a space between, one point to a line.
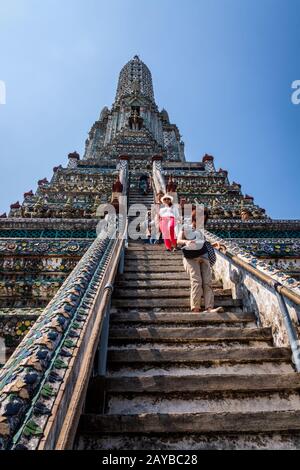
181 380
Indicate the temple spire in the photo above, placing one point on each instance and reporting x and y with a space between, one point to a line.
135 77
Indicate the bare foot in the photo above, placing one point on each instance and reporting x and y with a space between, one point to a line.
196 310
215 310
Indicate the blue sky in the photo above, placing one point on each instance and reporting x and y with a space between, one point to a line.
222 68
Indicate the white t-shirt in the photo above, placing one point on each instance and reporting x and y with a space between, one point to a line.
167 211
197 236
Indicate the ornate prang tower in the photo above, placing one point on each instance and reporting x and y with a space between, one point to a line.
134 125
44 237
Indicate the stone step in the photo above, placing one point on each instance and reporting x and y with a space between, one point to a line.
149 284
191 441
237 422
183 345
141 199
140 276
136 248
157 250
163 293
131 403
150 258
159 268
147 204
187 334
141 202
172 369
204 355
180 302
182 317
203 383
138 191
168 261
140 194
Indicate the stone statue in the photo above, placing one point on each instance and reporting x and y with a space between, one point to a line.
135 121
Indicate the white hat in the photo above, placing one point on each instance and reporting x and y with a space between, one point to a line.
167 196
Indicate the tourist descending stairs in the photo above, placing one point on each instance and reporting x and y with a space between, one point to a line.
182 380
135 194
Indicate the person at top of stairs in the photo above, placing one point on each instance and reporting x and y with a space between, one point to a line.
169 216
158 197
171 188
117 189
196 263
144 184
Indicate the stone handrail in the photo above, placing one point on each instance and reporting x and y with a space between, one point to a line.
158 178
44 383
260 285
269 274
123 174
155 181
35 374
79 386
37 382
